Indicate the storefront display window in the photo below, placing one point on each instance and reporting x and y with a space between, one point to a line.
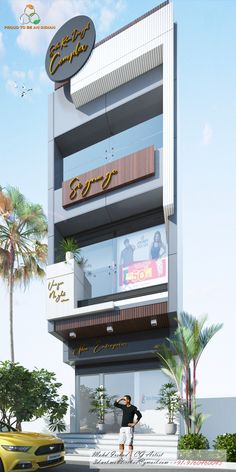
142 386
128 262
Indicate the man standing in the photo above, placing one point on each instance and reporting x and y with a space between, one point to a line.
127 254
128 423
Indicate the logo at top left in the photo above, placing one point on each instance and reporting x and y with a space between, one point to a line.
29 15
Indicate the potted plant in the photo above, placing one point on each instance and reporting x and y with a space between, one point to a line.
70 249
170 400
100 404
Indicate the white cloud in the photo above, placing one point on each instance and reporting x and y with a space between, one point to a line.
43 77
30 74
2 48
5 71
16 79
207 134
18 74
106 18
57 12
11 86
108 14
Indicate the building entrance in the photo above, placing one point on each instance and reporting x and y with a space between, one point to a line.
142 386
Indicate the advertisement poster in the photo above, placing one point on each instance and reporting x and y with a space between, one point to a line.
142 258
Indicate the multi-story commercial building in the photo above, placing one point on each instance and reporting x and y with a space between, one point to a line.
112 187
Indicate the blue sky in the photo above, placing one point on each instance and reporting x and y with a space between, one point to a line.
206 152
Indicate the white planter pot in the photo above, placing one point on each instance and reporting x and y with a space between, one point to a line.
171 428
69 256
100 427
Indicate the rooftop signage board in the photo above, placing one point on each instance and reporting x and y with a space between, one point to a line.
70 48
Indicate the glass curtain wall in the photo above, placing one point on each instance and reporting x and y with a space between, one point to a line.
142 386
120 145
129 262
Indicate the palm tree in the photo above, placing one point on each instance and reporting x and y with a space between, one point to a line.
180 359
23 226
176 360
200 337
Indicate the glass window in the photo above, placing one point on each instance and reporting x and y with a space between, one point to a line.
117 385
87 385
128 262
142 259
142 386
100 268
120 145
149 388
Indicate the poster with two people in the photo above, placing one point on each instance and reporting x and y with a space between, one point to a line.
142 259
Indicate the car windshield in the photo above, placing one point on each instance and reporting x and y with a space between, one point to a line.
5 428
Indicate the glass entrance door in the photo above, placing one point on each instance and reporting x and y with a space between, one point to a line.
87 420
142 386
117 385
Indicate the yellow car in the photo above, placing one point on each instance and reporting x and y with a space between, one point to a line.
32 451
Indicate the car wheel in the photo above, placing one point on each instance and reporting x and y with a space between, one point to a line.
1 466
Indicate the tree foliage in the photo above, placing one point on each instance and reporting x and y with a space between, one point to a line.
27 395
23 254
179 359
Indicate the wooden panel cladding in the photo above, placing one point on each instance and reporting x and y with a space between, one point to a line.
115 316
136 166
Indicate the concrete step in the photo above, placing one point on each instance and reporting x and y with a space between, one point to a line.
113 435
168 438
111 446
85 456
86 452
111 438
82 446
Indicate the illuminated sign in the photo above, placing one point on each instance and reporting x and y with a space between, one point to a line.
124 346
99 347
76 185
70 48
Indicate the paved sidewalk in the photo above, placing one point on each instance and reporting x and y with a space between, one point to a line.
74 461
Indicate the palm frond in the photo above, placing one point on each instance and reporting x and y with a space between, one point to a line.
171 365
22 235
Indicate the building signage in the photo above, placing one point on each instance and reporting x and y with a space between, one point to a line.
84 188
127 170
56 291
98 347
70 48
124 346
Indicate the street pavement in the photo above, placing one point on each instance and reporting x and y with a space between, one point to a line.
74 468
226 467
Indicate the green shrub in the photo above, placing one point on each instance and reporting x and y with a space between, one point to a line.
228 443
193 441
193 446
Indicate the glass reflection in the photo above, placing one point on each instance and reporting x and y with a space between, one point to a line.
120 145
117 385
88 420
142 386
128 262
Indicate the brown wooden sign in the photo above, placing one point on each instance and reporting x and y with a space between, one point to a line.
127 170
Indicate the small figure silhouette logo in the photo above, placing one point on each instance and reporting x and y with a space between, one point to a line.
29 15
